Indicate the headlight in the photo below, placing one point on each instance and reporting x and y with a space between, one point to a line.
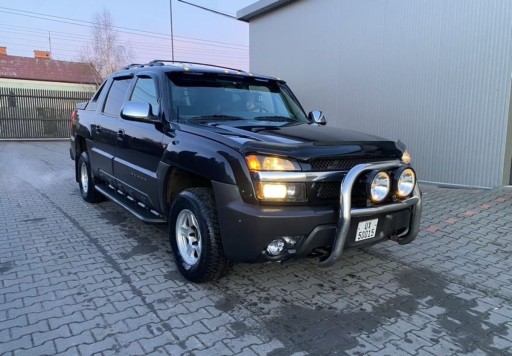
277 191
270 163
378 186
406 157
404 182
292 192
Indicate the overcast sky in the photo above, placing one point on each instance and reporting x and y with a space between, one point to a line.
199 35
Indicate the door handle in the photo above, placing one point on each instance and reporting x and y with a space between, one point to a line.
98 128
120 134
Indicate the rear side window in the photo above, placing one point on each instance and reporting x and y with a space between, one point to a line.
93 103
145 92
116 95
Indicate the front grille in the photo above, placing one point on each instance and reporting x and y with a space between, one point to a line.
331 191
327 190
344 163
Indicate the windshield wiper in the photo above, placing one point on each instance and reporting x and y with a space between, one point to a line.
213 118
274 118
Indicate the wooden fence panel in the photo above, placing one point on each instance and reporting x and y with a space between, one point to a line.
37 113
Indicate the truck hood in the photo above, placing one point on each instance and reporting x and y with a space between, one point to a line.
301 141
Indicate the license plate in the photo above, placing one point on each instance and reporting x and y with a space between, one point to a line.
366 229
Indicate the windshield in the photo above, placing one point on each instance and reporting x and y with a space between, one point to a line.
206 98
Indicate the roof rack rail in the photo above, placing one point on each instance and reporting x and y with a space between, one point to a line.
161 62
156 62
133 65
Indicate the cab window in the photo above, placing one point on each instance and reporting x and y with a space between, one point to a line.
93 103
116 95
145 92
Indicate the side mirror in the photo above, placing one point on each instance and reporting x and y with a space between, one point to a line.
135 111
317 117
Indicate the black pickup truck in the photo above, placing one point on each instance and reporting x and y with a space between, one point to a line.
238 171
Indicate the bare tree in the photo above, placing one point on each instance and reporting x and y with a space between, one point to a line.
105 52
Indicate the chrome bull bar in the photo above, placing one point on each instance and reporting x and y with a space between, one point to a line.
346 212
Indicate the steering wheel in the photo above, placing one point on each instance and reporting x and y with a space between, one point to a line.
259 109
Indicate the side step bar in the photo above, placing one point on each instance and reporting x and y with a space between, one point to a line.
141 213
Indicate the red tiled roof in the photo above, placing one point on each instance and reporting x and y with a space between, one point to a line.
27 68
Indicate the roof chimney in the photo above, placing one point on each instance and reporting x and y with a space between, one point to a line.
42 54
3 51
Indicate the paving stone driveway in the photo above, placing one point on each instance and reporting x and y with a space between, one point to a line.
80 279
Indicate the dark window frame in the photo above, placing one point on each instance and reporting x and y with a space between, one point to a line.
154 79
129 80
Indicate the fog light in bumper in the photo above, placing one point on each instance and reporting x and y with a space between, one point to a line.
276 247
291 241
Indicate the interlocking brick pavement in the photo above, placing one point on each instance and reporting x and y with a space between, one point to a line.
82 279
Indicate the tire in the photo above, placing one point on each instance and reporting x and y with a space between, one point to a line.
195 238
86 180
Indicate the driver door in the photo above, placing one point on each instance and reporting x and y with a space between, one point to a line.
139 146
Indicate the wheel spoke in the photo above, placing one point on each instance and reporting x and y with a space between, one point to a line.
184 231
191 251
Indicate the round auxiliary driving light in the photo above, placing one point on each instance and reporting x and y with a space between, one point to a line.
404 182
378 186
276 247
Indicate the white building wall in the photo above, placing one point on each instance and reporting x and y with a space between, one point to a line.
435 74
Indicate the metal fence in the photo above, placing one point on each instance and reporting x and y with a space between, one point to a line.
37 113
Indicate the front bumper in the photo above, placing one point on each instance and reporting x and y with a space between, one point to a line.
346 212
247 229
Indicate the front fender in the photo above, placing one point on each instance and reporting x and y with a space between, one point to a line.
205 158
